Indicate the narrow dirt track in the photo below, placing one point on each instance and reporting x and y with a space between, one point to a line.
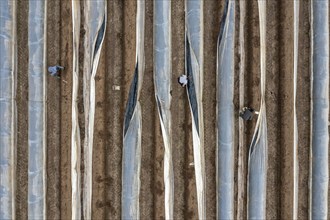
285 104
53 113
66 100
303 95
180 112
149 111
212 16
113 80
114 106
22 110
273 105
280 110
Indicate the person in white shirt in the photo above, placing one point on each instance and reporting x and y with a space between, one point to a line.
183 80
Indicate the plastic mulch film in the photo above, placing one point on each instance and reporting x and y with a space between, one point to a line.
295 128
95 16
8 72
194 72
162 78
225 115
75 136
131 162
319 167
37 110
257 162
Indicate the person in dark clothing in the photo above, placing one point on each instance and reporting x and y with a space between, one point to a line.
247 113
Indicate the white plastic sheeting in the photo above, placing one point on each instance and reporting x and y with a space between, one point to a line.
8 73
194 72
95 16
131 162
319 166
162 78
257 164
225 115
37 110
295 126
75 135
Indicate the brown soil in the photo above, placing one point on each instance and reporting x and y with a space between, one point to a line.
22 110
212 16
181 123
53 114
116 68
303 95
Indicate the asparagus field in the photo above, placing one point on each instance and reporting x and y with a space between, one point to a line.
115 136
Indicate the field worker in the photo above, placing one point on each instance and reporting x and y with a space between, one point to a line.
54 70
183 80
248 113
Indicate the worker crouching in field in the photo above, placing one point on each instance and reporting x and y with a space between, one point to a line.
183 80
247 113
54 71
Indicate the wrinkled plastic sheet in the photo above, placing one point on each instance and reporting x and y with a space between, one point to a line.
37 110
225 115
162 79
95 16
320 110
7 108
131 162
257 162
194 72
75 136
